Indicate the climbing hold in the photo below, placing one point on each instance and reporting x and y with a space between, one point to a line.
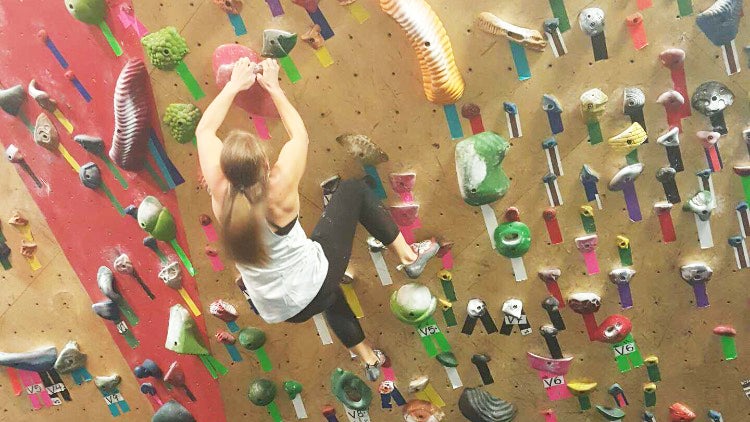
11 99
132 106
41 97
481 178
512 239
233 7
701 204
278 43
593 104
629 140
477 405
313 37
591 21
678 412
90 175
165 48
156 220
422 411
363 149
87 11
107 310
108 383
251 338
223 310
38 360
413 303
720 22
105 279
182 335
92 144
529 38
148 368
182 119
256 100
45 133
261 392
171 275
172 411
351 391
70 358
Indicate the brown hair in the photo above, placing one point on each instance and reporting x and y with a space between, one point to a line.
244 164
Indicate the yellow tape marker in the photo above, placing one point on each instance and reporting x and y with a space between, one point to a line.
34 263
186 297
324 56
433 396
359 12
26 232
421 395
69 158
352 300
63 120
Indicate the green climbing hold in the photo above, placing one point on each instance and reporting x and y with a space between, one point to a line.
278 43
156 219
88 11
292 388
251 338
261 392
165 48
479 161
413 303
182 120
351 391
447 359
182 335
512 239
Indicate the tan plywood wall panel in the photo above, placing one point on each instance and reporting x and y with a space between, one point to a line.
374 88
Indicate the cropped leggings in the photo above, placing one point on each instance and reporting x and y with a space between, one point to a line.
353 202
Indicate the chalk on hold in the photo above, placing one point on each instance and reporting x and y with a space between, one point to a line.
105 279
614 329
107 383
350 390
591 21
481 178
512 239
720 22
593 104
529 38
422 411
41 97
223 310
132 107
262 392
92 144
413 303
87 11
165 48
182 334
38 360
701 204
230 6
90 175
363 149
156 219
278 43
45 133
70 358
625 177
182 120
477 405
107 310
171 275
313 37
172 411
11 99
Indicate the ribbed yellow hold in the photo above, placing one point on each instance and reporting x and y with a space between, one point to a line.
441 80
630 139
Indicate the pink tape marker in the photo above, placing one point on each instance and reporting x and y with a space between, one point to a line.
261 127
552 373
387 369
213 256
549 415
405 216
710 141
447 260
127 19
587 246
46 399
30 388
637 30
644 4
208 228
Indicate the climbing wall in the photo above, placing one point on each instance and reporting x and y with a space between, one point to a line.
374 88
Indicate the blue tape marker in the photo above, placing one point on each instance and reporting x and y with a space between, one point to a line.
237 23
123 404
233 352
82 90
160 163
55 52
83 374
320 20
454 123
378 188
555 122
233 327
176 176
77 378
520 60
112 406
397 397
591 191
385 401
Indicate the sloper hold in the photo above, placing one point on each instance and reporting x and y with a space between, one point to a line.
261 392
156 219
105 279
251 338
278 43
92 144
70 358
90 175
87 11
720 22
172 411
256 100
625 176
591 21
11 99
481 178
108 383
38 360
701 204
363 149
412 303
45 133
182 335
477 405
107 310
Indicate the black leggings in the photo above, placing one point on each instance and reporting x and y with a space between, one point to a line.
353 202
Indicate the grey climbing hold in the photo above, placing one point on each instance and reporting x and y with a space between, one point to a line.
363 149
591 21
720 21
107 310
38 360
92 144
108 383
105 279
70 358
90 175
172 411
11 99
711 98
477 405
277 43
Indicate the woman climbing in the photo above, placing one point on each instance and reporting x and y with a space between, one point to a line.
289 276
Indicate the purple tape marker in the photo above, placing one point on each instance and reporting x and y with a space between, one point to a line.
275 6
624 181
697 274
621 277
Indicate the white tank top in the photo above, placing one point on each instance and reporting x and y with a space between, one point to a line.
295 273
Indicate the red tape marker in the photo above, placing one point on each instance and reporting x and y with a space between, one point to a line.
553 227
637 30
644 4
472 112
665 221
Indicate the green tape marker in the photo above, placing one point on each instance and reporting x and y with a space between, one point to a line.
649 394
632 157
290 69
5 263
113 199
110 38
450 317
626 253
595 132
558 11
273 410
450 292
685 7
652 367
589 225
209 367
130 339
128 312
189 80
746 187
584 401
115 171
265 362
729 348
183 257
